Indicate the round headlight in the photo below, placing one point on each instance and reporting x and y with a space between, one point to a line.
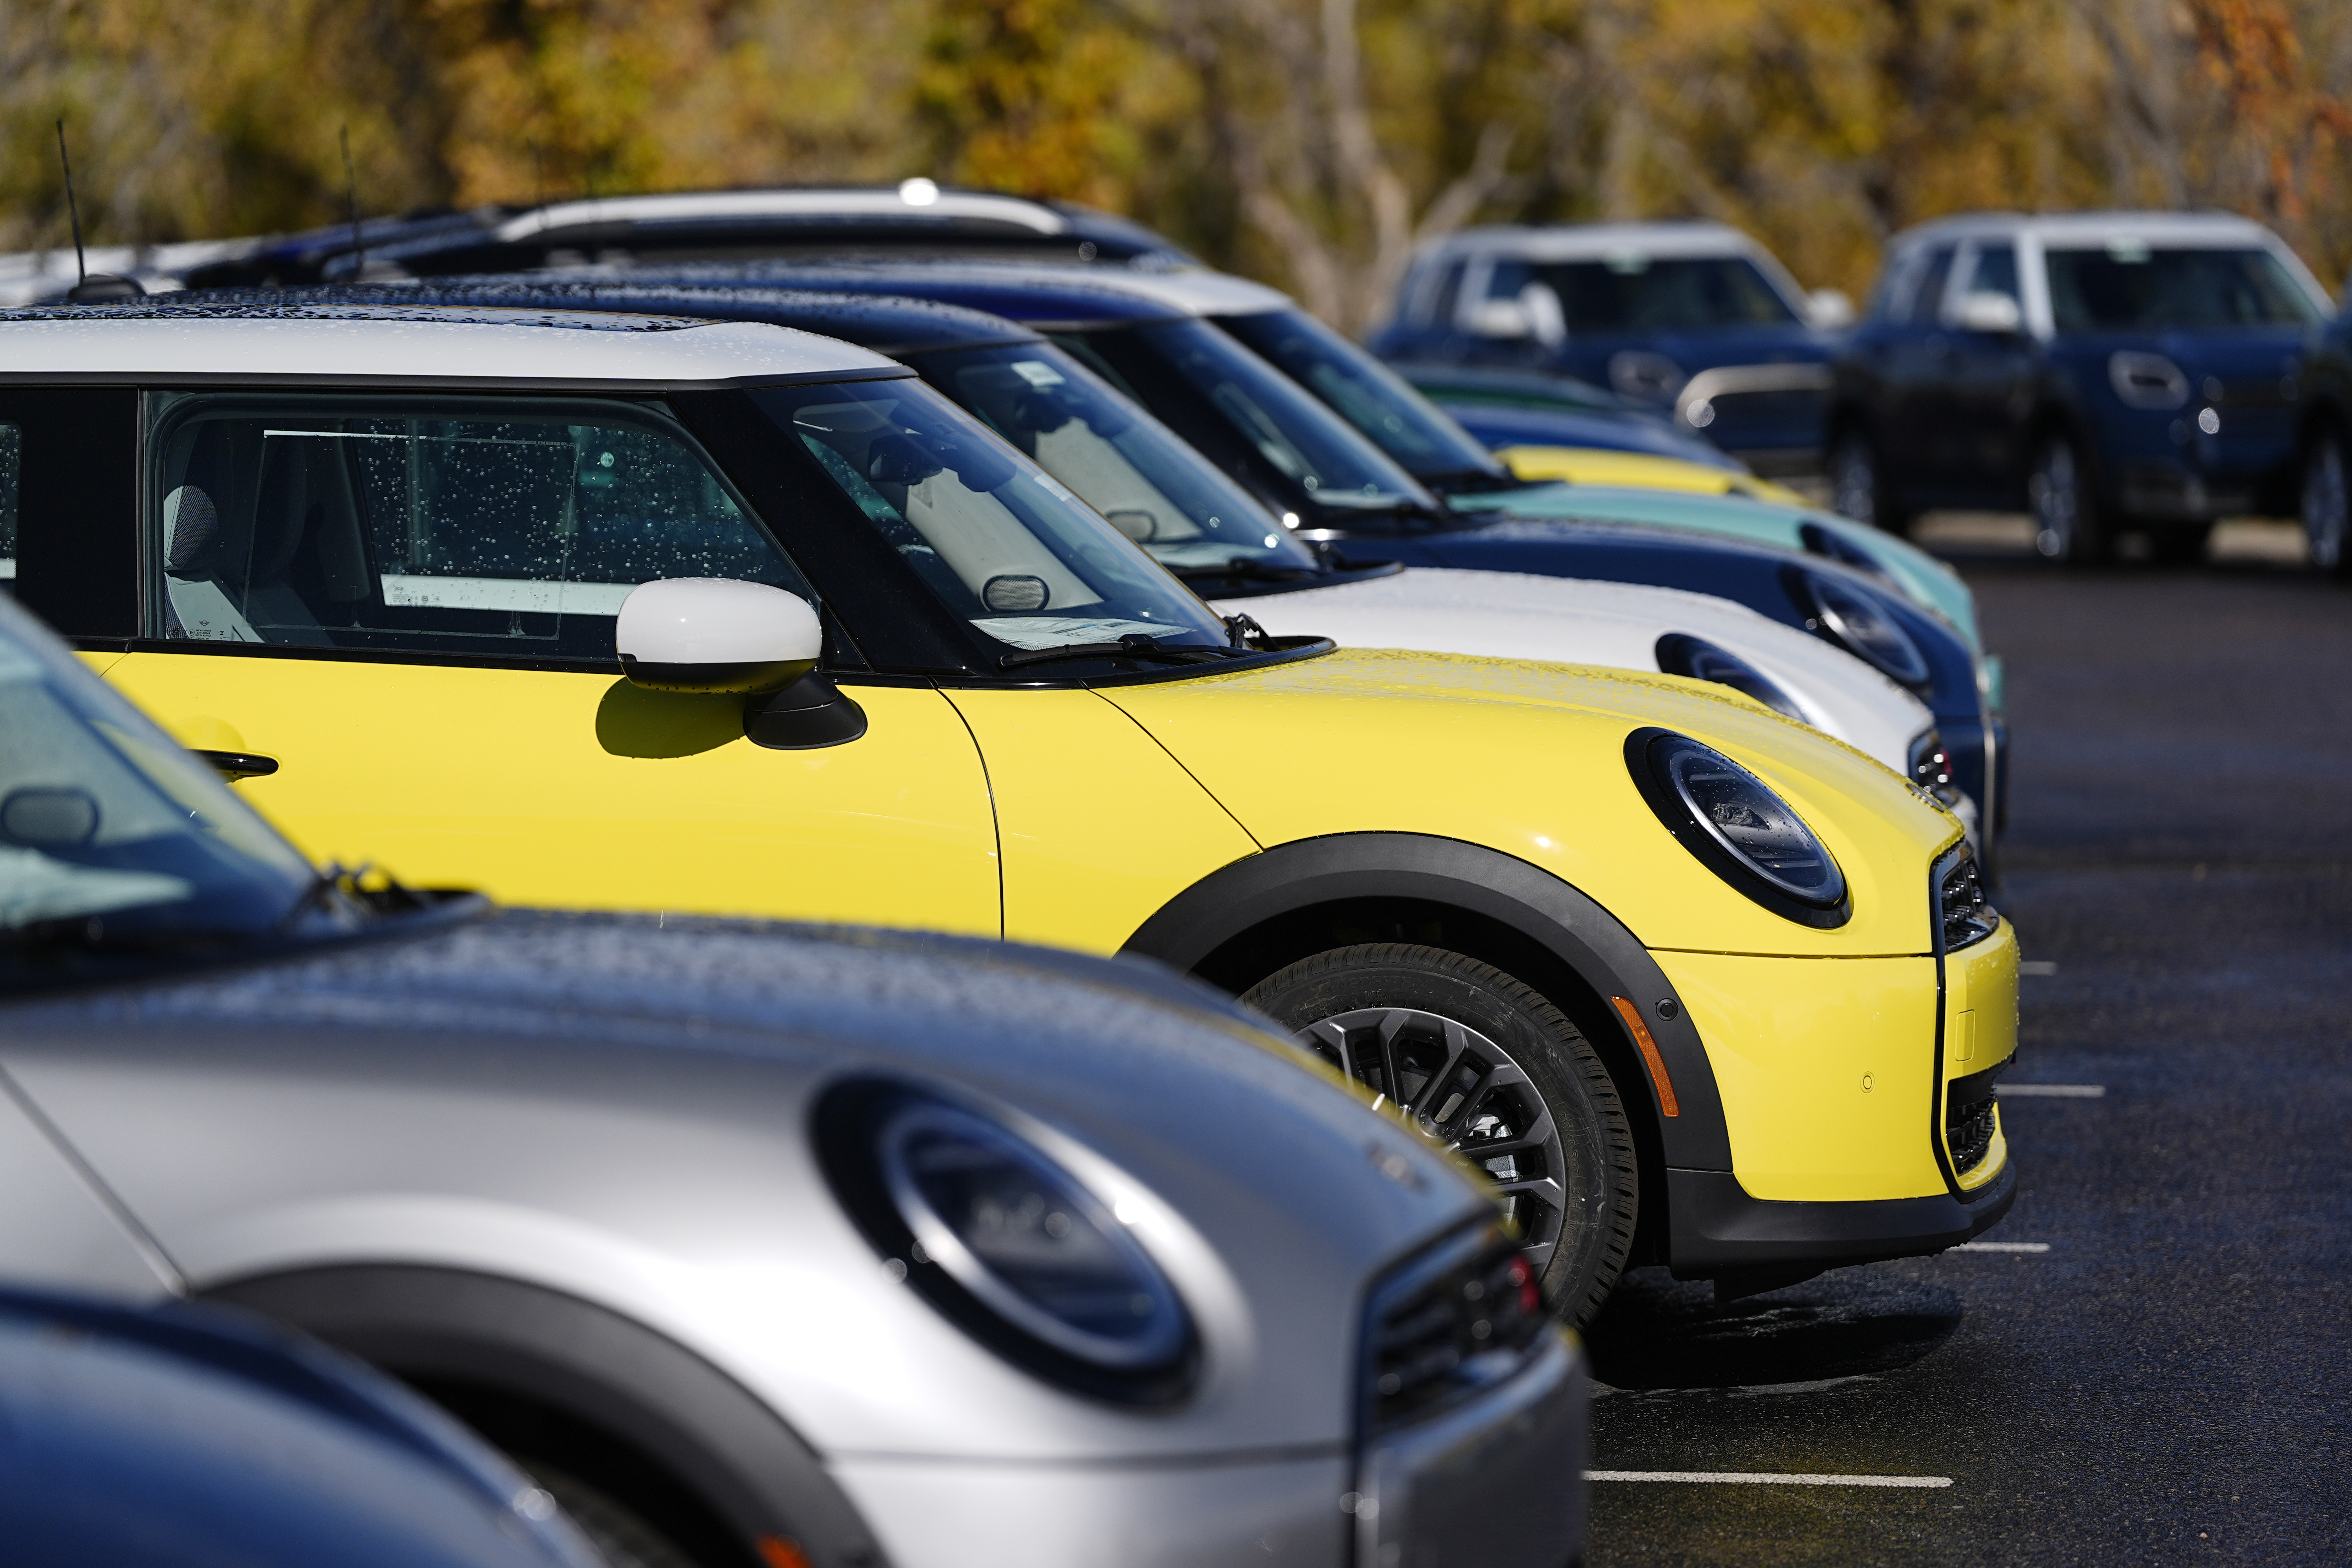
1733 822
1682 654
1005 1242
1857 622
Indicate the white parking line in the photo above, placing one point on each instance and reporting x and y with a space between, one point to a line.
1764 1479
2000 1246
2051 1090
2037 967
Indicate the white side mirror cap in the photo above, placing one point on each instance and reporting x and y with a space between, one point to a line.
1829 307
715 634
1500 319
1987 312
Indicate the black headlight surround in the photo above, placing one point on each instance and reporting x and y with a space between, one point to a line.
1838 611
851 1126
1647 752
1964 916
1679 653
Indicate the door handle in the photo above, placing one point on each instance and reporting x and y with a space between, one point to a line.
235 765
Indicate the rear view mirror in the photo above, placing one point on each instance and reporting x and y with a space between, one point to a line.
716 635
49 818
1985 313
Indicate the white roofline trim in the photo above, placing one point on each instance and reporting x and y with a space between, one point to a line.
722 204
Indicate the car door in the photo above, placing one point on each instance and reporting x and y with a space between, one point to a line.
1988 381
399 610
1914 365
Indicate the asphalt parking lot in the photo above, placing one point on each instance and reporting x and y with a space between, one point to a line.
2164 1377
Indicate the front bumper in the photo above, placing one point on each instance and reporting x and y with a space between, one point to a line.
1495 1483
1722 1233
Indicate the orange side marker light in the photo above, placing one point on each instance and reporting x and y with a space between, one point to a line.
778 1552
1650 1057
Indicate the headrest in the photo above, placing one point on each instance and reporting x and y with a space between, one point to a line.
190 529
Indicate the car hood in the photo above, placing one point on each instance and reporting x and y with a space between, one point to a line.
1567 620
1382 741
1919 576
617 1109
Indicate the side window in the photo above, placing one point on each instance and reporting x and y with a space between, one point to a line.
12 449
1995 272
1442 300
1929 296
498 530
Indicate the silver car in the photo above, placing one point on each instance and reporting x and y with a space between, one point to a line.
755 1245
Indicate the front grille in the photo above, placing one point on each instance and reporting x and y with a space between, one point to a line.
1452 1321
1969 1128
1960 904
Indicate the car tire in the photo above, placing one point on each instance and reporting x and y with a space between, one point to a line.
2325 523
2178 544
2064 504
622 1536
1858 484
1486 1065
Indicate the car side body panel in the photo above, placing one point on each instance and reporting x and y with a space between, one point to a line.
567 788
1100 825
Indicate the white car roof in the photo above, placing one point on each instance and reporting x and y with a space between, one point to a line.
2067 230
912 197
1586 241
414 343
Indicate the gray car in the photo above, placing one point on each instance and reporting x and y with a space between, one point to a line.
755 1245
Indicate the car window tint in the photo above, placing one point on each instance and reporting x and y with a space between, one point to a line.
1995 271
1634 293
1120 460
1006 547
1928 298
507 528
12 449
2124 287
1445 298
1367 394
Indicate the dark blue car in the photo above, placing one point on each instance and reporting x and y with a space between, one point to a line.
2109 373
1694 319
2324 425
165 1437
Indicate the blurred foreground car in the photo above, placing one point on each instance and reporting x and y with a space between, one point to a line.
1225 546
162 1437
2110 373
2324 429
1485 400
1693 318
752 1244
627 610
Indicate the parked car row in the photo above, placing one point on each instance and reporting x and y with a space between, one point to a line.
1298 908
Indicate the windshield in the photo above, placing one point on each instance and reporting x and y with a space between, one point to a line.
1294 433
109 832
1632 292
1120 460
1003 544
1368 395
2123 287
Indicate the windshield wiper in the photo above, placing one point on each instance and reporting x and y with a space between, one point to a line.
1135 645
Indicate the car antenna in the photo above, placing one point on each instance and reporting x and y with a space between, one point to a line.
87 289
352 205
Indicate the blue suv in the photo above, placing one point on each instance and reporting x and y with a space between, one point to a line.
2109 373
1694 320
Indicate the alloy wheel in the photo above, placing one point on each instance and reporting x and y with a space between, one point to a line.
2061 526
2325 503
1461 1088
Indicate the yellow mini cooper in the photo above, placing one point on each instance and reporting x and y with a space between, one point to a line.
719 618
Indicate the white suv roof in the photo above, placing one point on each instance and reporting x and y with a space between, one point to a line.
1590 241
2069 230
412 343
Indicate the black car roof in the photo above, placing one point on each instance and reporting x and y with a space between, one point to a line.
1039 296
895 326
326 305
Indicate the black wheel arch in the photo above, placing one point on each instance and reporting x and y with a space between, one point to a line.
518 1343
1249 919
